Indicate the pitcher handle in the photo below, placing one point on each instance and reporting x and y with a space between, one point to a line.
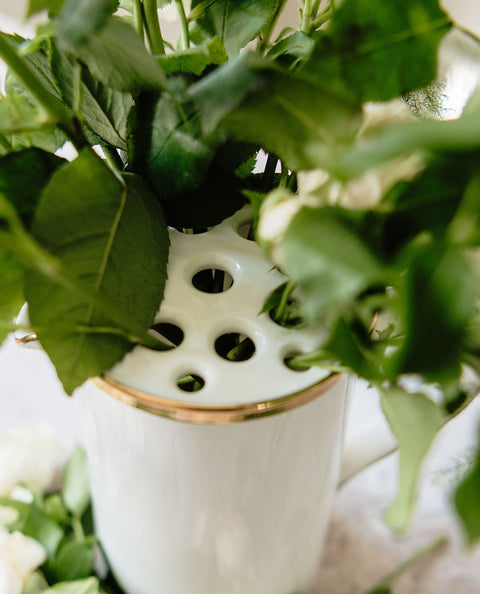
364 445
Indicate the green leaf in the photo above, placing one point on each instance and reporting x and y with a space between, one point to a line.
86 586
105 57
23 175
347 344
436 313
274 298
36 523
35 583
167 147
53 7
55 508
382 52
76 486
328 261
23 126
235 22
100 229
104 110
11 295
294 47
414 420
75 560
80 18
466 502
426 203
247 98
194 60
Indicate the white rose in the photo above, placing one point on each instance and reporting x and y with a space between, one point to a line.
29 455
19 556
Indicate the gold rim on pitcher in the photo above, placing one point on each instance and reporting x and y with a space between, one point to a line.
207 414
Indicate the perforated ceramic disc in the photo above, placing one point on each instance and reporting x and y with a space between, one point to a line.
210 322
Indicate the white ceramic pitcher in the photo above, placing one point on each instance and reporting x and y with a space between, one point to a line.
225 490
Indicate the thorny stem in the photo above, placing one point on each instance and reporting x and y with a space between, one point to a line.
152 23
56 111
184 24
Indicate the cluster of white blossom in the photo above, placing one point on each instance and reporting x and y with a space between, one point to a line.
29 457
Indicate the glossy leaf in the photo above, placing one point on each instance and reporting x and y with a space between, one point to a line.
16 113
166 144
414 420
23 175
436 313
247 98
130 71
235 22
75 483
194 60
104 110
217 198
466 502
100 230
80 18
328 261
379 54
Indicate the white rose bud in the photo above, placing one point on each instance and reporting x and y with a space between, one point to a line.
19 556
29 456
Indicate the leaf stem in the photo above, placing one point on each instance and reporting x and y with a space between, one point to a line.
55 109
307 16
138 17
269 172
267 32
281 311
113 158
184 24
154 34
436 544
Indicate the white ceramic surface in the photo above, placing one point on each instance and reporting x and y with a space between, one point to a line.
236 508
213 509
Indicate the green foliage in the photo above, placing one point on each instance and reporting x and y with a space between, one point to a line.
93 239
22 177
52 6
75 485
235 22
378 54
466 502
194 60
86 244
104 55
248 97
80 18
103 110
415 420
329 262
166 146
